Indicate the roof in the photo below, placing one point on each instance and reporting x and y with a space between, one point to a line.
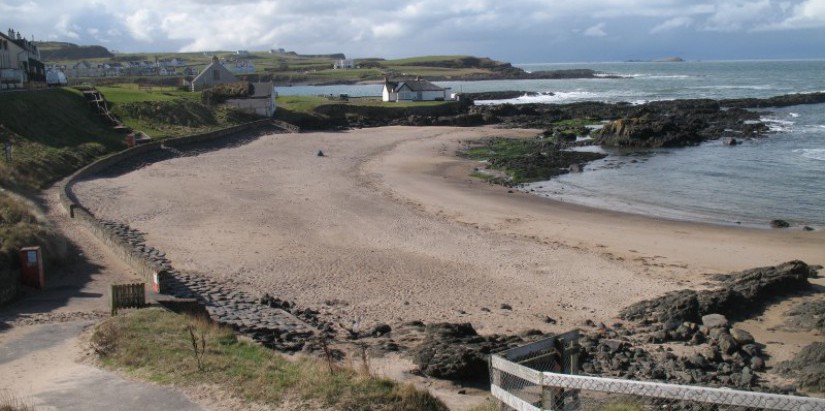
413 85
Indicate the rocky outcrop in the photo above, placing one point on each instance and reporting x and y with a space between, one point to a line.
808 367
457 352
678 123
778 101
806 316
724 357
739 294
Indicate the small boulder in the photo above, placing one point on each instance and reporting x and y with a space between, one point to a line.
320 153
380 329
712 321
742 337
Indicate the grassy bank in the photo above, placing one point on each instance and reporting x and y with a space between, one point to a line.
163 112
53 133
156 345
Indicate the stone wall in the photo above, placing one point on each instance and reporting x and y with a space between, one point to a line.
272 322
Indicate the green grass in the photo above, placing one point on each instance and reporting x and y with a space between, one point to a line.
301 104
131 93
525 160
155 345
420 60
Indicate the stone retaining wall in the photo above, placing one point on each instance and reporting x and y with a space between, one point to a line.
275 323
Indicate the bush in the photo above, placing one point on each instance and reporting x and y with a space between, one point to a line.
222 92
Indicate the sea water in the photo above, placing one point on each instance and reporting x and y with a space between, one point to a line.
780 176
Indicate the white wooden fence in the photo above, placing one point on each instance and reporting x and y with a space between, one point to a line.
523 388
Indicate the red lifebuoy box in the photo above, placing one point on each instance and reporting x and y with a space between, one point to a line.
31 267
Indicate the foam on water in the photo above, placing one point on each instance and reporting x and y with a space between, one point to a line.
560 97
812 153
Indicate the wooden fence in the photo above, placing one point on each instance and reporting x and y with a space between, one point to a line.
127 296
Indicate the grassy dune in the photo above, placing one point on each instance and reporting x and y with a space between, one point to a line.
156 345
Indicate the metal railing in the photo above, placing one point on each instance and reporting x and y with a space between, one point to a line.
534 378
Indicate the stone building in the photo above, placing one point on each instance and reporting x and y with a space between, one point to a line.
214 74
19 62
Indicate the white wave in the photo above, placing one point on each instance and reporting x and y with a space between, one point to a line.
779 125
657 76
560 97
812 153
794 115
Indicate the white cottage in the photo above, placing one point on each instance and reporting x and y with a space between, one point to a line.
412 90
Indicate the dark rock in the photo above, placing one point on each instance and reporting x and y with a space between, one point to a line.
506 306
757 364
380 329
457 352
549 320
780 224
808 367
729 141
806 316
808 228
320 153
742 337
744 291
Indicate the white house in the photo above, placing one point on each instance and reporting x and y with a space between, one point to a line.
19 61
412 90
344 64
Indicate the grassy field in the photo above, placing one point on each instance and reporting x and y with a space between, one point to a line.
131 93
156 345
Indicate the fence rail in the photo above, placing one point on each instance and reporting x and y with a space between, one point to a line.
524 388
127 296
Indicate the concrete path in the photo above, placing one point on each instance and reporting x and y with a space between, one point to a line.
43 361
42 365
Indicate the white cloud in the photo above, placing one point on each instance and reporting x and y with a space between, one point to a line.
735 15
808 14
595 31
397 28
674 23
66 28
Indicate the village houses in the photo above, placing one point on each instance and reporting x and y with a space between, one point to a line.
20 63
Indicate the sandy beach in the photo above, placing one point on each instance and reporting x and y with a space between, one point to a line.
390 227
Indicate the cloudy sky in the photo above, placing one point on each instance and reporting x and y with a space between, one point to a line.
520 31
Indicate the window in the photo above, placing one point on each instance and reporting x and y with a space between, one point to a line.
216 74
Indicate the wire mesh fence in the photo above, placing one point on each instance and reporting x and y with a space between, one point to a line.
540 376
